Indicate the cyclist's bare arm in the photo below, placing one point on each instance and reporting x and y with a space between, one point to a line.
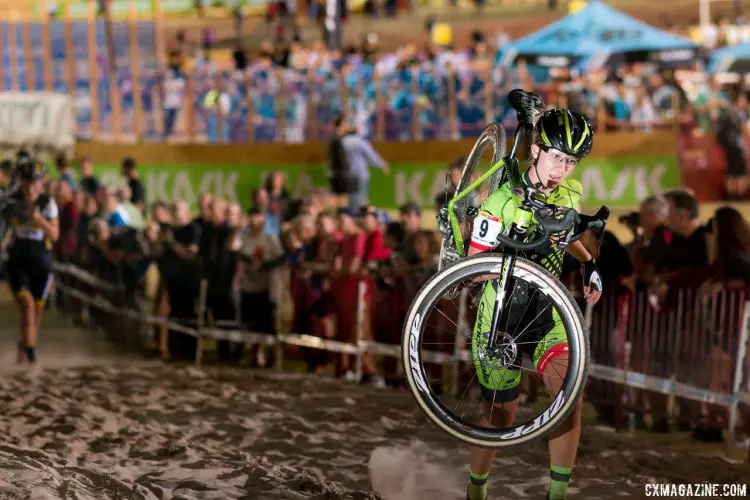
577 250
474 251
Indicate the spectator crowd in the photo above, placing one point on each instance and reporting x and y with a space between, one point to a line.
307 265
290 90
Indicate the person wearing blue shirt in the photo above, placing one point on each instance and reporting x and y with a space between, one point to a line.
470 115
360 156
117 215
64 170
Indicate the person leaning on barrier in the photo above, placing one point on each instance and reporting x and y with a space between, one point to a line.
156 230
653 245
134 214
118 254
137 192
219 264
259 256
89 209
98 257
89 182
66 245
204 217
182 276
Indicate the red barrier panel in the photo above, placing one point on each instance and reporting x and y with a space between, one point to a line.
696 342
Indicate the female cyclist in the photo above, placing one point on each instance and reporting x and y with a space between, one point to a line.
35 229
563 138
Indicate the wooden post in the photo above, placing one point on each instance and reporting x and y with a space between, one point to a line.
201 322
360 327
311 108
416 129
379 108
162 310
563 100
28 48
452 106
161 54
46 51
13 40
134 71
219 111
2 66
189 108
281 107
93 72
601 116
114 88
344 89
69 52
489 104
250 107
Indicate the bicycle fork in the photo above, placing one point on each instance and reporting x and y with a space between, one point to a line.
509 259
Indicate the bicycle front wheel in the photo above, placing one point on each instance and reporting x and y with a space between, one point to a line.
535 296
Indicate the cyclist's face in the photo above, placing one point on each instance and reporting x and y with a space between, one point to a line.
32 189
554 166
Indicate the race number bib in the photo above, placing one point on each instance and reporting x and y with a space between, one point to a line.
486 229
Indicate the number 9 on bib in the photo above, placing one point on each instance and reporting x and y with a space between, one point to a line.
486 229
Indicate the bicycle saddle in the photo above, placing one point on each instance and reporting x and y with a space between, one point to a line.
526 104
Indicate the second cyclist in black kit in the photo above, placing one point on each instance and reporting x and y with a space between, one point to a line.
33 218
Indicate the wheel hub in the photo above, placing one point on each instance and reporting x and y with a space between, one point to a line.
505 350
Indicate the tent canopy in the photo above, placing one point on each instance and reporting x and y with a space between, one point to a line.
733 59
595 29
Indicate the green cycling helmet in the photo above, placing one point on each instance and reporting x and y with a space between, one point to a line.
29 168
566 131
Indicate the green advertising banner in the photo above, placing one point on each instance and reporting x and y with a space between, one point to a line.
616 182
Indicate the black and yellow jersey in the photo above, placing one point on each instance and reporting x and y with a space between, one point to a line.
29 240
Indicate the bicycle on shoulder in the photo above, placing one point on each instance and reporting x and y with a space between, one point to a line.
496 308
30 215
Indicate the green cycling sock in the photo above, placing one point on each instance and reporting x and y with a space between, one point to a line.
477 489
558 487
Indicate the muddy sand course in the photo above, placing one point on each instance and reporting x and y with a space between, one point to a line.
129 429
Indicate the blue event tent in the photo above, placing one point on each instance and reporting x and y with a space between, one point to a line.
733 59
594 34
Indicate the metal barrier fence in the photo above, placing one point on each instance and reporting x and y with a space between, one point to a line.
693 351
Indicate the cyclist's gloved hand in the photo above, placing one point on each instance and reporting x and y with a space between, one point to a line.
592 281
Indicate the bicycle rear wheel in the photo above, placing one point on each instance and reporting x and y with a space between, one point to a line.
423 355
493 136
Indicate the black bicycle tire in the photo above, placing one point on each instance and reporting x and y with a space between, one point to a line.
431 292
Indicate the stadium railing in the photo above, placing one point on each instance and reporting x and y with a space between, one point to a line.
693 351
290 106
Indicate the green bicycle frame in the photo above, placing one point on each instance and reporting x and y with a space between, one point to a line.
458 239
522 220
